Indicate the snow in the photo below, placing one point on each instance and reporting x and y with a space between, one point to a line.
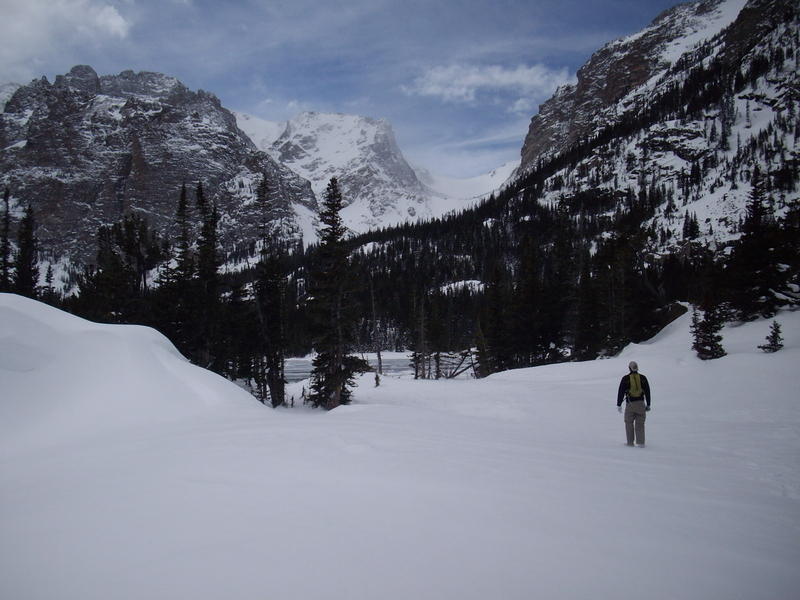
473 285
127 473
702 29
260 131
696 27
469 187
6 91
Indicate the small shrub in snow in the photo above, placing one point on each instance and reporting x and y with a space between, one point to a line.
774 339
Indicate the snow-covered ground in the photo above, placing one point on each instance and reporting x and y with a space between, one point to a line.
127 473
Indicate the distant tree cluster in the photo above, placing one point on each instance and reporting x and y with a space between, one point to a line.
19 268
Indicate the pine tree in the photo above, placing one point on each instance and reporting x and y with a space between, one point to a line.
5 245
271 310
208 305
482 365
185 267
176 295
753 267
774 339
333 312
421 353
26 266
498 336
271 289
707 342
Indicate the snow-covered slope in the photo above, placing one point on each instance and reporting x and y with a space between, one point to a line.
6 91
126 473
262 132
65 379
695 103
478 186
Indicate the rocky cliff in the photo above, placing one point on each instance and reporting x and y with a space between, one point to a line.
85 150
682 114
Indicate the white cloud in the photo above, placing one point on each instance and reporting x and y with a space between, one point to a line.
36 33
108 20
465 83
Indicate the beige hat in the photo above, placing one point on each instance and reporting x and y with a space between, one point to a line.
633 366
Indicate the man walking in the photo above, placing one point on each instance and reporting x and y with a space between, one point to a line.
636 392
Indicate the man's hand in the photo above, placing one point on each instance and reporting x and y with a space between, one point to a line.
619 409
647 409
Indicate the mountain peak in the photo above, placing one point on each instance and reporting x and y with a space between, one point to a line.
618 70
80 77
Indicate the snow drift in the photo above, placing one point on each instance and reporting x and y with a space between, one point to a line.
64 377
127 473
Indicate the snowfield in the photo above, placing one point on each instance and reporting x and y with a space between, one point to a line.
127 473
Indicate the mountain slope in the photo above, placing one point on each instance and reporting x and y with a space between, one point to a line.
173 498
621 70
683 112
85 150
379 187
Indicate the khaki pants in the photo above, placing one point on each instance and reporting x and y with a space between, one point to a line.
635 414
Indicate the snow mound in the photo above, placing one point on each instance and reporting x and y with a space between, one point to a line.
64 378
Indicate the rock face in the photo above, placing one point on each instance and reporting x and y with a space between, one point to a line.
608 83
688 109
378 186
85 150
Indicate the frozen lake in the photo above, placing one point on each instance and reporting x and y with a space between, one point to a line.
395 363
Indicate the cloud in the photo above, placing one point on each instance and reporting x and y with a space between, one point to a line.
469 83
105 19
468 154
36 33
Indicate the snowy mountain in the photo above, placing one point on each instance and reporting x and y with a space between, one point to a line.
85 150
379 186
160 480
685 110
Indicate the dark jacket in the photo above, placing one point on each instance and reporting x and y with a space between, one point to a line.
624 387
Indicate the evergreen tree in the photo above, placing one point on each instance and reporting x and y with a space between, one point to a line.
208 306
5 245
185 266
706 341
588 337
271 309
753 268
271 304
420 346
774 339
176 297
482 365
498 336
333 311
26 265
107 291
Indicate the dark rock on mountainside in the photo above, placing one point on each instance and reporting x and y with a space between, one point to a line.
85 150
620 78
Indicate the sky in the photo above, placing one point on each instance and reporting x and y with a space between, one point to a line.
458 79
